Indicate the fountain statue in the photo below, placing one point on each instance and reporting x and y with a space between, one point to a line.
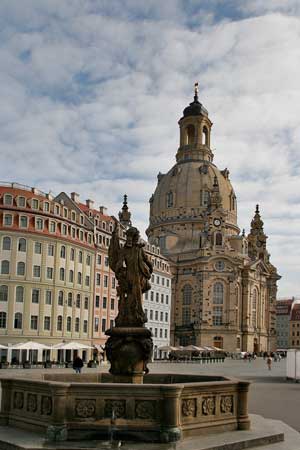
129 346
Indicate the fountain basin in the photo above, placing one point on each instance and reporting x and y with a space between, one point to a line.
166 408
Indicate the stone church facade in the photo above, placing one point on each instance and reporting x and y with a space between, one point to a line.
224 286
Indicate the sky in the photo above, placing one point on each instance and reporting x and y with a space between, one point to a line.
91 93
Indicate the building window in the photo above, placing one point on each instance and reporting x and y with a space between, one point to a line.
78 301
186 316
50 249
187 295
35 203
5 267
157 297
3 319
218 342
79 278
169 199
47 323
3 293
152 296
23 222
21 268
50 273
217 315
22 245
205 198
106 261
87 280
98 259
18 321
21 202
96 324
48 297
166 317
39 224
88 260
104 302
72 254
254 307
62 274
155 332
35 295
105 281
86 303
161 316
37 248
97 301
19 294
85 326
37 271
69 323
103 325
52 227
7 200
151 314
60 298
70 299
34 322
167 299
71 276
220 265
166 334
63 251
112 303
46 206
6 243
156 315
162 298
218 294
80 257
77 324
8 220
98 279
113 283
59 323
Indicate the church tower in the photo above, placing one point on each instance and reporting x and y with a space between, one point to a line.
218 300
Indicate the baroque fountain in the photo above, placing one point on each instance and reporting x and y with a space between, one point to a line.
139 405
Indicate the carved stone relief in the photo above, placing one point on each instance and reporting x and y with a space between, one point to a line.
18 400
145 409
227 404
208 406
31 402
116 407
85 408
188 407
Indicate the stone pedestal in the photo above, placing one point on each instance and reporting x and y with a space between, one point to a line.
129 350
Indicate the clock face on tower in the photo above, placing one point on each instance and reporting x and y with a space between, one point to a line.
217 222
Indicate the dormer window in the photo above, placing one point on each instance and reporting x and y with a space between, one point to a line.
39 224
73 216
22 202
81 220
35 203
46 206
57 209
8 200
65 212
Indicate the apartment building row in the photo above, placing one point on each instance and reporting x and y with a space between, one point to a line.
55 280
288 323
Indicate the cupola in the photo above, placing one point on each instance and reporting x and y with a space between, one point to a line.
195 129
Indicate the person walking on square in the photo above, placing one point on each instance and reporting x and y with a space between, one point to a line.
77 364
269 362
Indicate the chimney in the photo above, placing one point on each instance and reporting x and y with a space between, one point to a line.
103 210
75 197
89 203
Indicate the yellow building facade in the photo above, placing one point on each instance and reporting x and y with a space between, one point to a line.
224 286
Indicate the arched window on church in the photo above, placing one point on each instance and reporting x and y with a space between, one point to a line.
205 136
190 134
205 198
218 301
254 308
169 199
219 239
187 294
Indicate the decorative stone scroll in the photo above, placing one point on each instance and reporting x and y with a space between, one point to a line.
116 408
226 404
208 406
46 406
85 408
18 400
32 403
189 407
145 409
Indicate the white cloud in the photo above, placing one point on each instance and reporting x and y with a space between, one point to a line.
91 94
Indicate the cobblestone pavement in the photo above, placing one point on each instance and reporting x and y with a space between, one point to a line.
271 395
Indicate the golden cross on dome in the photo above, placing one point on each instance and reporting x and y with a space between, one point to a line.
196 88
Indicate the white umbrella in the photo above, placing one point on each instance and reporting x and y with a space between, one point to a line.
30 345
167 348
3 347
71 346
194 348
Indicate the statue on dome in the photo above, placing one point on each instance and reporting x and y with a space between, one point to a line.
133 271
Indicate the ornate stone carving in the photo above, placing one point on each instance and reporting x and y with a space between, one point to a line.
227 404
208 406
57 433
188 407
46 406
85 408
18 400
31 402
145 409
116 408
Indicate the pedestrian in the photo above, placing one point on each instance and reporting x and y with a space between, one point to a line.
77 364
269 362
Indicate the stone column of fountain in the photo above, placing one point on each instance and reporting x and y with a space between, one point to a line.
129 346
